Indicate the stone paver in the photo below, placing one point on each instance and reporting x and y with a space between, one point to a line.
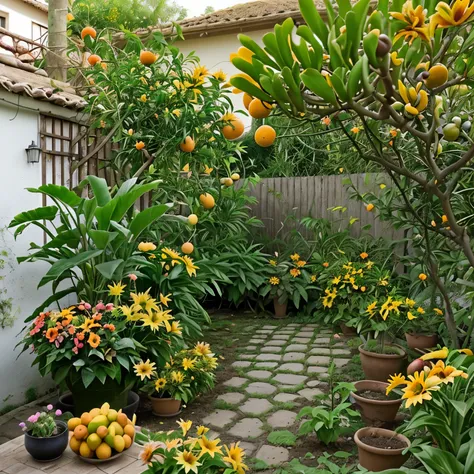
271 349
275 342
317 370
322 340
233 397
246 356
220 418
308 334
263 331
283 337
310 393
261 388
249 448
290 379
313 383
281 419
301 340
250 348
292 356
269 327
341 352
266 365
273 455
259 374
296 367
257 341
235 382
256 406
268 357
319 360
341 362
247 428
320 351
241 364
285 397
296 348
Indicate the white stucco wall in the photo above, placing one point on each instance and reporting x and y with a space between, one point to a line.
21 15
214 53
18 128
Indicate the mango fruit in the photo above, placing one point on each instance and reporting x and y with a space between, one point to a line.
102 431
104 451
112 415
85 451
75 444
99 420
119 443
110 440
118 428
94 412
72 423
122 419
129 430
86 418
94 441
104 409
127 440
80 432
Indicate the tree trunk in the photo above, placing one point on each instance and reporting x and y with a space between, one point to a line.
56 59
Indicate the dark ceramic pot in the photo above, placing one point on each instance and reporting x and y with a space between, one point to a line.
66 404
48 449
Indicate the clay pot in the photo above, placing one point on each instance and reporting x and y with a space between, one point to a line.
165 407
378 459
280 309
421 341
382 366
347 331
375 411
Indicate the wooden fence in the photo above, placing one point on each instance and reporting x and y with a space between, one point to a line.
317 196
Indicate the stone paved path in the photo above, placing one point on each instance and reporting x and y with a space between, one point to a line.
279 370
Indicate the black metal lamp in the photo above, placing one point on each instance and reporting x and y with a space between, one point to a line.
33 153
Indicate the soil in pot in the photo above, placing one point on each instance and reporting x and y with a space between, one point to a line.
384 443
373 395
380 366
48 449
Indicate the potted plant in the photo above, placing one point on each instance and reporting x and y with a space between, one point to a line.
381 449
288 280
190 450
188 374
92 349
375 405
46 436
421 326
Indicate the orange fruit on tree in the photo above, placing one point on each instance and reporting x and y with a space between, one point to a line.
234 129
187 248
139 145
193 219
94 59
187 145
207 201
265 136
247 100
259 109
147 58
69 17
88 31
227 182
235 177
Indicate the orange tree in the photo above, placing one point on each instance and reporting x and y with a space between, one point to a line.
400 75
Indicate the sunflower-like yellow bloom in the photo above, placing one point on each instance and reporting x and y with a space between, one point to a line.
416 99
446 373
454 15
419 388
414 18
441 354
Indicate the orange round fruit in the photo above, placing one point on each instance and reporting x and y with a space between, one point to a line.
139 145
259 109
187 145
88 31
80 432
86 418
207 201
94 59
247 100
72 423
234 130
235 177
75 444
438 75
130 429
128 441
265 136
122 419
227 182
104 451
69 17
102 431
193 219
85 451
94 412
147 58
187 248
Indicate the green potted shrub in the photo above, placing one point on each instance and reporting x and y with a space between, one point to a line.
421 326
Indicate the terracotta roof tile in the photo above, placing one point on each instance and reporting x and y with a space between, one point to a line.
39 5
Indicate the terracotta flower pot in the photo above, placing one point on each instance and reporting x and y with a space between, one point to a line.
374 410
280 308
166 407
378 459
421 341
381 366
347 331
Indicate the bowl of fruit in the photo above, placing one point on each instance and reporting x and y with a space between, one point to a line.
101 435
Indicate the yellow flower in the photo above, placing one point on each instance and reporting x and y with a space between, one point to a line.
143 98
131 314
188 363
173 327
220 75
300 263
313 278
160 384
155 319
419 388
210 446
165 299
410 303
208 170
185 168
415 23
371 309
190 267
295 257
466 351
202 430
395 381
188 460
355 130
174 443
94 340
178 377
203 349
336 280
273 263
411 316
438 311
415 98
143 301
167 252
396 61
146 455
421 310
446 373
89 324
422 276
295 272
444 219
370 207
234 457
274 280
364 255
146 246
328 300
116 289
454 15
176 112
440 354
341 170
145 369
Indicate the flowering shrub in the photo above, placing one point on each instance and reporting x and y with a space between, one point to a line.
42 424
188 374
103 342
175 451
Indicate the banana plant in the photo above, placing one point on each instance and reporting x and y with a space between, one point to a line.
90 241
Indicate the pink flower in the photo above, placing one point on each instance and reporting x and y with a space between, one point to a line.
132 276
100 306
22 425
81 307
87 306
33 418
336 336
109 307
58 412
75 350
49 407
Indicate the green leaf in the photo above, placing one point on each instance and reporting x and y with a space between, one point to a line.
61 193
100 189
61 374
316 83
108 269
125 343
79 363
282 438
47 213
147 217
87 376
251 89
102 238
313 20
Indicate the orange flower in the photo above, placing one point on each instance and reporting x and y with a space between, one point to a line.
325 264
295 272
364 255
110 327
66 321
444 219
80 336
94 340
393 132
52 334
71 330
139 145
97 317
422 277
370 207
326 121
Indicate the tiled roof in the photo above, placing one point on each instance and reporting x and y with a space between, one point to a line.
25 79
250 16
39 5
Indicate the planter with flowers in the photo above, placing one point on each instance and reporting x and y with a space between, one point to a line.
288 281
92 349
421 326
188 374
46 436
189 450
